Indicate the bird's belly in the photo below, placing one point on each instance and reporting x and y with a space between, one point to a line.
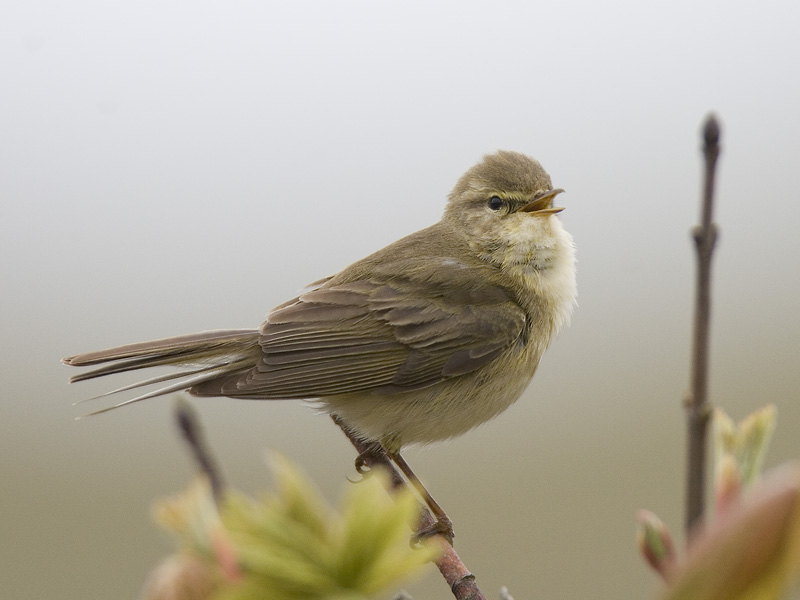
438 412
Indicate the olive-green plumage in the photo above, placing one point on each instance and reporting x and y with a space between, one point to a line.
421 341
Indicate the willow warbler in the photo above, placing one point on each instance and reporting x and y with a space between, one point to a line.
421 341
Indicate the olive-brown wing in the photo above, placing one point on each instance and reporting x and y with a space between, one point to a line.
388 333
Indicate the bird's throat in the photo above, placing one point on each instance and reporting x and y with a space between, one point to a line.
538 258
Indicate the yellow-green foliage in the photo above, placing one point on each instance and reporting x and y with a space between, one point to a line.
747 441
291 544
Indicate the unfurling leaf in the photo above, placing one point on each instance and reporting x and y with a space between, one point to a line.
746 443
655 542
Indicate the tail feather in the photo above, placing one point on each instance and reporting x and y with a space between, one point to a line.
146 382
124 365
193 343
175 387
210 355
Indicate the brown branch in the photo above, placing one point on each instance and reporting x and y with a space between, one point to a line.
455 573
192 432
698 408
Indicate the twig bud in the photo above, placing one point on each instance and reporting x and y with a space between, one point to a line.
655 542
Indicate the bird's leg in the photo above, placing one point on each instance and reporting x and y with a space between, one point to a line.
371 453
443 525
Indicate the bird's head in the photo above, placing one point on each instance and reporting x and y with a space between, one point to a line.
504 205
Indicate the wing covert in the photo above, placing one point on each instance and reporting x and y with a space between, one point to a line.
387 333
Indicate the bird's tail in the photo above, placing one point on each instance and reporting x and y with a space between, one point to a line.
204 357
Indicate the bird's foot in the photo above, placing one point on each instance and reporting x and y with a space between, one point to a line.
372 455
442 526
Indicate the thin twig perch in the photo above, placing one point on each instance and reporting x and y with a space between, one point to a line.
698 407
192 431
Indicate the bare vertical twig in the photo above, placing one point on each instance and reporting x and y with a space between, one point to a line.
697 405
192 431
455 573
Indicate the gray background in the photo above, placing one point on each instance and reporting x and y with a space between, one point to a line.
168 167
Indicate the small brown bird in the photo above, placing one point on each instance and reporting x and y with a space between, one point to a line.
421 341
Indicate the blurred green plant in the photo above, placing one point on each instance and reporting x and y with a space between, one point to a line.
290 543
749 549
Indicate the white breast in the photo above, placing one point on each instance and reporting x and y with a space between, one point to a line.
540 255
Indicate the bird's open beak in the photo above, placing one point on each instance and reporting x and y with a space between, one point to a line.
543 204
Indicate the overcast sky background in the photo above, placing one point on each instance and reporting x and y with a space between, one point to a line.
173 166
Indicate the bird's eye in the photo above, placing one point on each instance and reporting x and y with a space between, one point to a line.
495 203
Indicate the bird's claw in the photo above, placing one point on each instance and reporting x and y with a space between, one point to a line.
443 526
368 457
